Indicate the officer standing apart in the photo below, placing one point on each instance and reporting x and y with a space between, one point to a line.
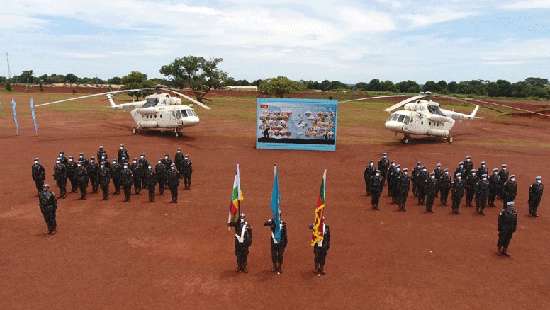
38 174
383 165
48 207
178 159
187 171
60 176
535 195
507 223
173 182
104 180
320 249
375 189
243 241
279 241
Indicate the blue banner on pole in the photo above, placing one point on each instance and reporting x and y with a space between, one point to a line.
14 113
275 205
33 114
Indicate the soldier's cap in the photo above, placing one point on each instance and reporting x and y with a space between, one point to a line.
46 185
173 165
114 161
398 166
150 167
79 164
36 158
70 157
384 154
243 215
438 164
101 146
61 152
495 169
468 157
179 149
418 163
424 169
122 144
186 155
93 157
81 153
538 177
504 165
160 161
460 163
484 175
405 169
446 170
57 161
512 176
458 175
483 162
377 171
510 204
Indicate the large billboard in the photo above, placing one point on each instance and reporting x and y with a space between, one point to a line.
296 124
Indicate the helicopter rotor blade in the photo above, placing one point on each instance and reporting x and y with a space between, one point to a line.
200 104
372 98
404 102
89 96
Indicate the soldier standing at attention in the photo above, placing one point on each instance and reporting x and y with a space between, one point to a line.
457 192
243 241
83 179
535 196
173 182
320 249
122 153
93 174
482 192
126 179
178 159
60 176
187 171
431 189
116 172
494 181
367 175
277 245
404 184
444 186
104 180
38 174
150 181
507 223
383 165
376 189
48 207
160 172
71 174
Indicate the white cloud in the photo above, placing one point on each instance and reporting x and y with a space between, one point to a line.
430 17
527 4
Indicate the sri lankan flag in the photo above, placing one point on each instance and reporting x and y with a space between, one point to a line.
319 210
236 198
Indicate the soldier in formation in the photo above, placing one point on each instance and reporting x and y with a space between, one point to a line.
278 244
48 207
535 196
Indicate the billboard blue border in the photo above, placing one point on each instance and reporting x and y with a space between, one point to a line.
291 146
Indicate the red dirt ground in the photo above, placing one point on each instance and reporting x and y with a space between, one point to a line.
114 255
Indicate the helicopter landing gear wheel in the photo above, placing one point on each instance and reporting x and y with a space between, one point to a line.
134 130
405 140
450 140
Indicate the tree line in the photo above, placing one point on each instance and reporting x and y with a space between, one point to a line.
202 75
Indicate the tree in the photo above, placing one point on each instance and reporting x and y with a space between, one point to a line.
429 86
374 85
442 87
26 77
388 86
198 73
115 80
408 87
8 85
360 86
71 79
325 85
137 80
280 86
452 87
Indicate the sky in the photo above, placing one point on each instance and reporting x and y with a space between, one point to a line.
346 40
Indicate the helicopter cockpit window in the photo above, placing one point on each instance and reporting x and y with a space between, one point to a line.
151 102
434 110
406 120
401 118
394 117
177 114
184 113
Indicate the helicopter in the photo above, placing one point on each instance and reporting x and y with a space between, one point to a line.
157 112
420 116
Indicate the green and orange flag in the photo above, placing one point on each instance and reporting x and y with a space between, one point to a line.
236 198
318 227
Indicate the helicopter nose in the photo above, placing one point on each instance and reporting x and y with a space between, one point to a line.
394 126
190 121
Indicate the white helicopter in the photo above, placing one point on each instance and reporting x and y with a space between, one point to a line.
158 112
420 116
